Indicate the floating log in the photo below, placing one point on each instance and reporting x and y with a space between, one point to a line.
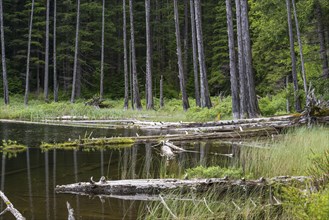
157 186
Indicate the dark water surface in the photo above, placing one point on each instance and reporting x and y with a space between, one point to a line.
29 178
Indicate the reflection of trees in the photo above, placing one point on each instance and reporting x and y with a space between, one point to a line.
75 162
47 183
29 181
134 161
148 160
3 175
54 182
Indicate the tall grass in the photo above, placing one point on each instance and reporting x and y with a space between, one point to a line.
290 155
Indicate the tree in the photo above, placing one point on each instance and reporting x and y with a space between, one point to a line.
293 58
75 66
136 96
148 57
101 92
233 72
46 78
253 109
3 58
54 53
181 77
302 63
195 56
205 96
125 56
27 77
244 93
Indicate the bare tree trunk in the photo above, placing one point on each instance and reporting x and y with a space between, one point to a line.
180 60
322 39
186 39
3 58
195 56
293 58
101 92
161 92
76 53
125 62
241 64
233 73
55 54
46 78
149 94
26 96
300 48
136 97
205 96
253 108
130 77
287 90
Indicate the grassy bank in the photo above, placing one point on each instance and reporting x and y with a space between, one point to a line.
172 111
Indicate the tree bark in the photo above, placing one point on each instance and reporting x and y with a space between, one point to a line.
180 60
302 63
46 77
161 92
195 56
205 96
233 72
243 93
3 58
27 84
101 92
186 39
125 56
136 97
149 96
54 53
293 58
253 108
322 39
75 66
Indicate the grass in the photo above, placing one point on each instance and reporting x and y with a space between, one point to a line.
290 155
38 110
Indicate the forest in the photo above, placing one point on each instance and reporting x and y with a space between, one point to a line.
126 49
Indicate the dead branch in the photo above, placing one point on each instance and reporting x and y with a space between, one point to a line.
10 208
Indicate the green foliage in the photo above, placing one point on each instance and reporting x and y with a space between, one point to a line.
11 147
214 172
273 105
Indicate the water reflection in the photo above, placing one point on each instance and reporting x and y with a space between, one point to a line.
29 178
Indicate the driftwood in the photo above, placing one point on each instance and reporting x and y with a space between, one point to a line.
70 211
157 186
10 208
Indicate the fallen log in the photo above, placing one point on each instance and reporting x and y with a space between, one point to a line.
157 186
10 208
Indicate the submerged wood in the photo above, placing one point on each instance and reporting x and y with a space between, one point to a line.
157 186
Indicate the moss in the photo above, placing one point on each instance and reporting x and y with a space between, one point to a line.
90 143
9 146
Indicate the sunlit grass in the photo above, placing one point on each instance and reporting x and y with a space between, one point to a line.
290 155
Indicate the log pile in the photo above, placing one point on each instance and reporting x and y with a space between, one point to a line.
157 186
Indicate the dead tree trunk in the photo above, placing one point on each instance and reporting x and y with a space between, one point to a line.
46 78
125 56
136 97
186 104
195 56
293 58
3 58
27 77
205 96
55 53
253 108
73 94
301 54
149 89
233 74
101 89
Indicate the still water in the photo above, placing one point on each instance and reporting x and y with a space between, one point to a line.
29 178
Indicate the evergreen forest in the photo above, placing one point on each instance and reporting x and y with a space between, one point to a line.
65 50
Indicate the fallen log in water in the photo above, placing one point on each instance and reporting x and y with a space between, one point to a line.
157 186
10 208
